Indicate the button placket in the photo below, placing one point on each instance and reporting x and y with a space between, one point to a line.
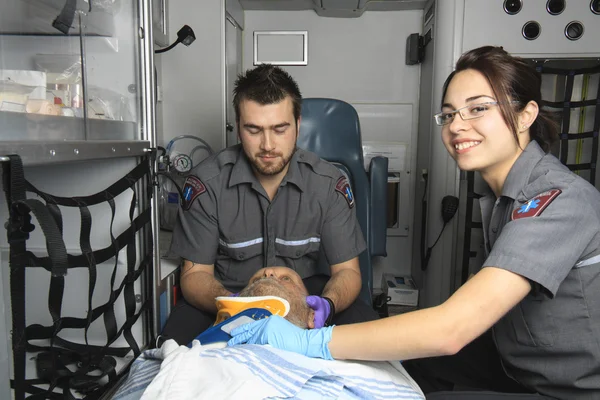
495 221
270 237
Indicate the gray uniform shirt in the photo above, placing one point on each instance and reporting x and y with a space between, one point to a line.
546 228
233 225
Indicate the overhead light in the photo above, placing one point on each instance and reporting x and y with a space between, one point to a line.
185 35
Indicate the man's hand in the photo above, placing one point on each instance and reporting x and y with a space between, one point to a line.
322 309
282 334
199 285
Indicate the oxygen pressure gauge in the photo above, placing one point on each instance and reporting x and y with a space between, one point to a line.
182 163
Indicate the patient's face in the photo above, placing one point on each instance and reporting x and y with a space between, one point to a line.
287 277
286 283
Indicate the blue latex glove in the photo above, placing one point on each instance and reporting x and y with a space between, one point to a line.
280 333
234 295
322 309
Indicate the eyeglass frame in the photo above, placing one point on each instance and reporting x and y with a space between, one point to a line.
458 111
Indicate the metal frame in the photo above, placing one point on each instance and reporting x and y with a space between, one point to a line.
147 40
54 152
161 36
304 34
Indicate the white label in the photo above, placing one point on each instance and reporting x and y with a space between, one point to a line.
394 151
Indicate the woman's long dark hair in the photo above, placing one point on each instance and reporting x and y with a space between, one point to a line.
511 79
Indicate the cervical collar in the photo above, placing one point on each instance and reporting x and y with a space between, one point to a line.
230 306
235 311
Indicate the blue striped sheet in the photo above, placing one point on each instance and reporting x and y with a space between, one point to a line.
293 376
141 373
299 377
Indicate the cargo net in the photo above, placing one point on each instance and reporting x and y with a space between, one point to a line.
69 354
573 95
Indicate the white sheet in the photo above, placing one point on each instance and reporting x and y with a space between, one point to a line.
259 372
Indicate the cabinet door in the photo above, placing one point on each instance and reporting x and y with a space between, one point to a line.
69 73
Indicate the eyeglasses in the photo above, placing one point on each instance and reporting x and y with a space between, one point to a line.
471 111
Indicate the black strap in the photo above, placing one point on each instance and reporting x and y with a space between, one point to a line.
329 320
18 228
64 21
55 361
31 260
566 119
469 225
110 321
595 139
111 192
572 104
86 249
128 290
565 71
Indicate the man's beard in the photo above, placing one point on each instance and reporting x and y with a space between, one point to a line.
298 314
270 169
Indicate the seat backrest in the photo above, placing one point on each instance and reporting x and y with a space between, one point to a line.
331 129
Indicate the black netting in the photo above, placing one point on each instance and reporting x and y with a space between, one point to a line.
68 369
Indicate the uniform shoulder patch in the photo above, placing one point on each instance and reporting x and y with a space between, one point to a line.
192 188
343 187
535 206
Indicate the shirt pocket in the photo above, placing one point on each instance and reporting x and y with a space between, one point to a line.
241 251
298 248
534 326
237 262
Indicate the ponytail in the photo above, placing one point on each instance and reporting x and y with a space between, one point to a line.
544 130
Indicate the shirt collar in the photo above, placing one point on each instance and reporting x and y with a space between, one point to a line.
242 171
521 170
293 174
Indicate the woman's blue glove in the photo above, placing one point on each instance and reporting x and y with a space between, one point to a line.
284 335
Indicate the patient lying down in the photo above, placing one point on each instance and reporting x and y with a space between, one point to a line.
258 372
285 283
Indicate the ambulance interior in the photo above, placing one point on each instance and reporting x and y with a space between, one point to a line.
122 104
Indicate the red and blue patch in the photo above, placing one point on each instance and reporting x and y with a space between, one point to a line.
343 187
535 206
192 188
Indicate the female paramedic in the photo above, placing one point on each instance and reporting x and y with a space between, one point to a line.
529 320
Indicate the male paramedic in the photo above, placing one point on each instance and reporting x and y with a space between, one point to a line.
261 203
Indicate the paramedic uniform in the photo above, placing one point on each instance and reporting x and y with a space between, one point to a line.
546 228
229 221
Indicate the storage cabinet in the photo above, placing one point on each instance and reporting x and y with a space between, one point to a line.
77 105
72 73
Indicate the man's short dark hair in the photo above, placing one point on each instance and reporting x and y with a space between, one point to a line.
266 84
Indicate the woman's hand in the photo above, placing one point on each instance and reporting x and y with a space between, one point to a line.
284 335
